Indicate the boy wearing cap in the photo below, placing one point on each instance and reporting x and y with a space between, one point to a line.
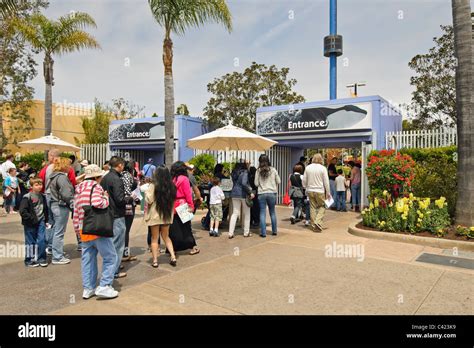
91 245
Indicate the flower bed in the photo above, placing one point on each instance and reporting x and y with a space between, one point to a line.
407 214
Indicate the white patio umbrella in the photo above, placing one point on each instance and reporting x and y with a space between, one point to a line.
231 138
48 142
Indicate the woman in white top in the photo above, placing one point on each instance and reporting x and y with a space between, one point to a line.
267 181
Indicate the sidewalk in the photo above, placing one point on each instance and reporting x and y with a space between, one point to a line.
291 273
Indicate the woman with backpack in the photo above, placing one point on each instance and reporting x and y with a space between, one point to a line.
297 195
241 193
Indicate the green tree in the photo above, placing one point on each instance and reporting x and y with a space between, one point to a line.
182 110
17 69
464 50
176 16
433 101
236 96
56 37
96 128
124 109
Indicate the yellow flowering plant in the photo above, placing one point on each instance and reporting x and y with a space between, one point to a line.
408 214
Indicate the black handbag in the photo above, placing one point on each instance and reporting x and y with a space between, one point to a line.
97 222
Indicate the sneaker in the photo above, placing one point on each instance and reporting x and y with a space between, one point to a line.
43 263
106 292
211 233
306 223
292 219
88 293
63 261
79 248
49 251
231 236
32 264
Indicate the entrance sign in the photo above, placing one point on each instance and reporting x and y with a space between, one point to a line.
136 131
340 117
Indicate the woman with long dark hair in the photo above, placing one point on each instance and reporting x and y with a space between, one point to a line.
267 181
181 233
160 197
255 209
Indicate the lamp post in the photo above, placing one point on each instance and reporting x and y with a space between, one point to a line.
333 48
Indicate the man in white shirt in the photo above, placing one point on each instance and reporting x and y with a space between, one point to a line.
316 183
5 167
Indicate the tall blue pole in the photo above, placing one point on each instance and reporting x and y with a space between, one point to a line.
333 56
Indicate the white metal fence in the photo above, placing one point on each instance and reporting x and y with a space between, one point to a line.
100 153
421 139
280 158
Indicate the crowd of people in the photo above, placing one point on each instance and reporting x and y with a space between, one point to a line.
66 188
313 187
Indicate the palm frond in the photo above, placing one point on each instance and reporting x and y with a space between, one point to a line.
75 41
179 15
8 8
31 29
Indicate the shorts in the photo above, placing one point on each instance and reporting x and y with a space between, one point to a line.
216 212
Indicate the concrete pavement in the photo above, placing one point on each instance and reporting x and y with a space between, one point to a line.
296 272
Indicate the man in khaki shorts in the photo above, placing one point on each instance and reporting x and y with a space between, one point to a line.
316 183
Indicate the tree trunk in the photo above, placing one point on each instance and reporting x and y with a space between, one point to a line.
169 101
463 44
48 99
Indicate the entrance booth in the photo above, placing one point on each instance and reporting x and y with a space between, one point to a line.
144 138
340 123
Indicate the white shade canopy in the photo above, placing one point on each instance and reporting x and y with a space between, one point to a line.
48 142
231 138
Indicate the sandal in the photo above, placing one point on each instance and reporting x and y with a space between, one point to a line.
120 275
194 251
129 258
122 267
173 263
154 264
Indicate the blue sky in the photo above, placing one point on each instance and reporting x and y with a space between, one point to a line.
380 37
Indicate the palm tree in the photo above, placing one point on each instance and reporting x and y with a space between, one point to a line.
464 51
176 16
51 37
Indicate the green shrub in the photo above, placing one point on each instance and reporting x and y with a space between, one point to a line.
34 159
436 177
204 165
420 155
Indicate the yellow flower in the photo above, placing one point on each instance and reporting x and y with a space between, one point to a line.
440 202
400 206
411 196
382 223
472 228
376 202
371 206
385 193
404 217
390 204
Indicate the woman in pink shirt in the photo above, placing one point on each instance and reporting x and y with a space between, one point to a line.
181 233
355 185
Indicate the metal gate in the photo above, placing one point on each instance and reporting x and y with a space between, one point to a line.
100 153
364 187
280 158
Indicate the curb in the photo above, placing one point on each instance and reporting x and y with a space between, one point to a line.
404 238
